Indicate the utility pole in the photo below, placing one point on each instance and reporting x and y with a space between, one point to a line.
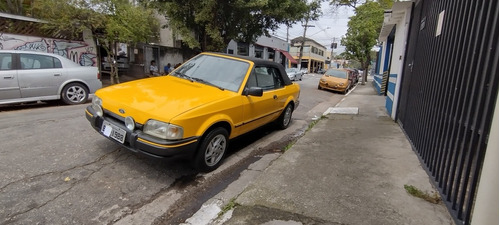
334 45
303 41
287 33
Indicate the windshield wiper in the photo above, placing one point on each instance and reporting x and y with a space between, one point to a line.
205 82
179 74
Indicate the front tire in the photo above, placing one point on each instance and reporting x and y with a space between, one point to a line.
212 150
285 118
74 93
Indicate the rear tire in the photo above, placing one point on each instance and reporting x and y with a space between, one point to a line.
285 118
212 150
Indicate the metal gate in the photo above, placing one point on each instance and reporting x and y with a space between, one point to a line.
448 93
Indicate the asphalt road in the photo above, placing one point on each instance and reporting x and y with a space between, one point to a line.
55 169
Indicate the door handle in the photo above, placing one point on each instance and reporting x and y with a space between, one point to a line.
275 97
9 77
57 74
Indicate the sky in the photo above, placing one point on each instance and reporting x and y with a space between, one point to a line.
330 25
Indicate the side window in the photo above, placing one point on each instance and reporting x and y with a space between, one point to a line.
57 63
268 78
5 61
32 61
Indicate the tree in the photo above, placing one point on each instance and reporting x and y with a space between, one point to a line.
354 3
110 22
209 25
347 3
362 33
17 7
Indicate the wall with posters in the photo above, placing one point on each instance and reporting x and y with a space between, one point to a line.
81 52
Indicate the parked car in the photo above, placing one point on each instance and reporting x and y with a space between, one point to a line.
304 71
195 110
321 71
335 80
353 75
294 74
35 76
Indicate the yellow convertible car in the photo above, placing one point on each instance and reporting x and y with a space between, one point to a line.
195 110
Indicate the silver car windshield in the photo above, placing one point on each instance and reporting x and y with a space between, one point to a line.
224 73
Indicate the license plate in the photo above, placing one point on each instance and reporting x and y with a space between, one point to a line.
110 130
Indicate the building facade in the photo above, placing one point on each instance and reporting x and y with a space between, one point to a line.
438 67
21 33
314 55
269 48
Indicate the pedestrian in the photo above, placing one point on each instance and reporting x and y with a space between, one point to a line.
153 69
167 69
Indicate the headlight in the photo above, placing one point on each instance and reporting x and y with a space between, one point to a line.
97 105
130 123
322 79
163 130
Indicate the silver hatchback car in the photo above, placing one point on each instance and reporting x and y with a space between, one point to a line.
35 76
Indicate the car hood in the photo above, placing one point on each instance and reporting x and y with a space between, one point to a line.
160 98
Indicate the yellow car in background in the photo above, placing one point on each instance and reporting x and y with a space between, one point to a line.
195 110
335 80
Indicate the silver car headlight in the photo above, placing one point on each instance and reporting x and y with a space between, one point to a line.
163 130
97 105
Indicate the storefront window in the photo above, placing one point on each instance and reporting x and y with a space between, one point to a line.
259 52
243 49
270 54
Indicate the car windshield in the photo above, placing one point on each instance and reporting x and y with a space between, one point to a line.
226 74
336 73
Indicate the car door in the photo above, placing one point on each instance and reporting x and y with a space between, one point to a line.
9 86
260 110
39 75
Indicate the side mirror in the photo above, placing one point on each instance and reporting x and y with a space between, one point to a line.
253 91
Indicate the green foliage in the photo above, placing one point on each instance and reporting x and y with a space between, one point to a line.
16 7
230 205
211 24
348 3
110 21
364 28
354 3
412 190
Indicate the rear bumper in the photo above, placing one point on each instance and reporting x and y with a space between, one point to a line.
139 142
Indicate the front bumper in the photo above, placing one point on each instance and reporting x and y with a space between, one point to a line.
139 142
332 86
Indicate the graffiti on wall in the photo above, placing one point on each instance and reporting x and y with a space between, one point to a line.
77 51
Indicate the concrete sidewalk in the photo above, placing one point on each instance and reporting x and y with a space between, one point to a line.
348 169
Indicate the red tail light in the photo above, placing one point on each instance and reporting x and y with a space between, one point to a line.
98 76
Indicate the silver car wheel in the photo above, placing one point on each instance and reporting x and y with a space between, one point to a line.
215 150
76 94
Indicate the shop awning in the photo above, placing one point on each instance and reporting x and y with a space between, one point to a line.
288 56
